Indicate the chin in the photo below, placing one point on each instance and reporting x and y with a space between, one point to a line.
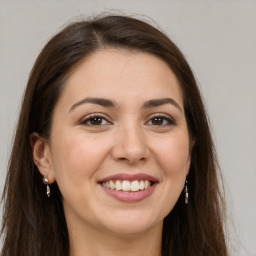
131 223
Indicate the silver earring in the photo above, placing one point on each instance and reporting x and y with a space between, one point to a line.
186 192
46 181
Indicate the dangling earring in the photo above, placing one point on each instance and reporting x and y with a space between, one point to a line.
46 181
186 192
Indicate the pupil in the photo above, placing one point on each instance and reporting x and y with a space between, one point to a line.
96 120
157 121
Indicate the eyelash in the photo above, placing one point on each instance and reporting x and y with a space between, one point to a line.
90 119
169 121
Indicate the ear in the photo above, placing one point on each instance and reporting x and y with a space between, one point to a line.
191 146
42 156
188 164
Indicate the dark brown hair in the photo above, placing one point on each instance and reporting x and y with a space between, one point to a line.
34 225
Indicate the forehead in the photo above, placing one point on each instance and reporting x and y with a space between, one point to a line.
122 74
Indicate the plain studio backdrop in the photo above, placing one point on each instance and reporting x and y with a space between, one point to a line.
218 39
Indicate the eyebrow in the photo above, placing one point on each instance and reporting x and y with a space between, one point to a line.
98 101
109 103
160 102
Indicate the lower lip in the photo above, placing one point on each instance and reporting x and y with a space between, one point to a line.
130 197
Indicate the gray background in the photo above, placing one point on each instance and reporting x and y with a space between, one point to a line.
219 40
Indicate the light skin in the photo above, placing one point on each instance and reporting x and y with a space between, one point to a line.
140 128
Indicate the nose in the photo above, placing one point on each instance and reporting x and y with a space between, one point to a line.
130 145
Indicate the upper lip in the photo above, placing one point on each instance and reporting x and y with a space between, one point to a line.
130 177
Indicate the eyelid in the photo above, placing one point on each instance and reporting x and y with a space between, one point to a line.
170 119
93 115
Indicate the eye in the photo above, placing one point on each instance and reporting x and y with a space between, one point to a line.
161 121
95 120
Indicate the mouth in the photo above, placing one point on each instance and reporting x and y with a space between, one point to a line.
129 188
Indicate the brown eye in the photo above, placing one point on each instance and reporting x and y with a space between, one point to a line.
157 121
95 121
161 121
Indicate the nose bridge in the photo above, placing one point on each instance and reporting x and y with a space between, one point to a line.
130 143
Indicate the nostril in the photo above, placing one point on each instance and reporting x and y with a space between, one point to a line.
131 160
131 148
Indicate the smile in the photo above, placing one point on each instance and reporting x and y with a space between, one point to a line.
129 188
126 185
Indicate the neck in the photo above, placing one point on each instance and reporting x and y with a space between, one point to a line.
89 242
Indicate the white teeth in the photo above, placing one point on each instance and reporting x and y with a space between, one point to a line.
135 186
118 185
111 184
142 185
126 185
147 184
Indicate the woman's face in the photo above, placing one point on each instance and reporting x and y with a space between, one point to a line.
119 144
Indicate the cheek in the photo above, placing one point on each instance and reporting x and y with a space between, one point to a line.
173 155
76 158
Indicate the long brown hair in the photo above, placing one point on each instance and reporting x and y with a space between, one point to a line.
34 225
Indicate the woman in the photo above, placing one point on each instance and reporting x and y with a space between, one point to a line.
113 153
